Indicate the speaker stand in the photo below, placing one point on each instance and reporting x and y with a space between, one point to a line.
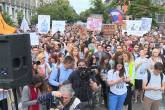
15 97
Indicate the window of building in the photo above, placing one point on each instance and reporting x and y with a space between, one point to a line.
160 18
13 13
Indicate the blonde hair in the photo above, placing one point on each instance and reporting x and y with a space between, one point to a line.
154 51
40 56
130 57
40 50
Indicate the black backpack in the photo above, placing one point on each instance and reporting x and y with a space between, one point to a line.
149 77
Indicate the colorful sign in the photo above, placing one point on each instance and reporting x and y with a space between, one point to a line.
94 24
43 23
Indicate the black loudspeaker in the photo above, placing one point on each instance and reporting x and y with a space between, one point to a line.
15 60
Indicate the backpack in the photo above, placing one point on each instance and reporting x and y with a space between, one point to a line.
149 77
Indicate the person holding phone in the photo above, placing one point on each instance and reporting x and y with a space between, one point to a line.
117 78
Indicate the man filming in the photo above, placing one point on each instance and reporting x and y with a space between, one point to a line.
63 99
83 84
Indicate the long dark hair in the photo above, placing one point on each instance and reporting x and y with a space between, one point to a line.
122 71
58 60
117 54
102 62
37 79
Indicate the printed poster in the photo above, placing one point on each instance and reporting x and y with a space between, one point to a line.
43 23
34 38
58 26
133 27
146 24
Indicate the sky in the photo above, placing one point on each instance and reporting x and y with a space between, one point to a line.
80 5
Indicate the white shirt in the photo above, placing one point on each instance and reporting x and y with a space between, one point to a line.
46 72
139 74
119 88
155 81
46 56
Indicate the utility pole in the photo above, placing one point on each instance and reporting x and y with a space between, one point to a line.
148 3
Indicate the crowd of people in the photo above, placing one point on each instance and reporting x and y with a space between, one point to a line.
78 69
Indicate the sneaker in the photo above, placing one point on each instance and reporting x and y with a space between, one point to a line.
125 107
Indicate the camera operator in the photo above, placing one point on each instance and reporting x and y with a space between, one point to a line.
63 99
83 86
96 68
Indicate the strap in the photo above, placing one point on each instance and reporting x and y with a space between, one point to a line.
58 75
161 76
148 76
70 103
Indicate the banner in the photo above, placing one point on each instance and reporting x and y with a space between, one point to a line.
58 26
43 23
146 24
109 29
24 25
5 28
96 15
134 28
34 38
94 24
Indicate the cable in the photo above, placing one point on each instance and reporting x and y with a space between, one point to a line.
3 90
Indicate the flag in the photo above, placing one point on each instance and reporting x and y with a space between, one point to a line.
5 28
116 15
24 25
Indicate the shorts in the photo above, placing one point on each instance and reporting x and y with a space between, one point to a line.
138 84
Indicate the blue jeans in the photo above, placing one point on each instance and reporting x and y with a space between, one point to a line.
116 101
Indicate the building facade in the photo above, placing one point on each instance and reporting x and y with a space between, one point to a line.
14 6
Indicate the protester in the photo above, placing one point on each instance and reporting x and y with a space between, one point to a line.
154 85
60 59
30 94
117 79
141 67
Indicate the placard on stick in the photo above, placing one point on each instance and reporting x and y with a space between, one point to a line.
109 29
83 32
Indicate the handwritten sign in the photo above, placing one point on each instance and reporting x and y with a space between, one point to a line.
83 32
123 24
109 29
94 24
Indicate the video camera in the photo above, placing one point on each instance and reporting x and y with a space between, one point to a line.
55 103
86 74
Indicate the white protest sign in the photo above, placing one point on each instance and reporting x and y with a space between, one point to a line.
146 24
34 38
94 23
58 26
43 23
134 28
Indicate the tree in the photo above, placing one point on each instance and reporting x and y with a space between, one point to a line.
7 18
98 7
139 9
20 17
58 10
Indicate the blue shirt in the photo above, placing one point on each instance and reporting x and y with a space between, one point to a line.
64 74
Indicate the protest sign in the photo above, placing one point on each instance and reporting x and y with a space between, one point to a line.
58 26
109 29
94 24
83 32
96 15
43 23
34 38
134 28
146 24
122 24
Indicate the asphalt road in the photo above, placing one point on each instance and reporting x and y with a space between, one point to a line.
139 105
